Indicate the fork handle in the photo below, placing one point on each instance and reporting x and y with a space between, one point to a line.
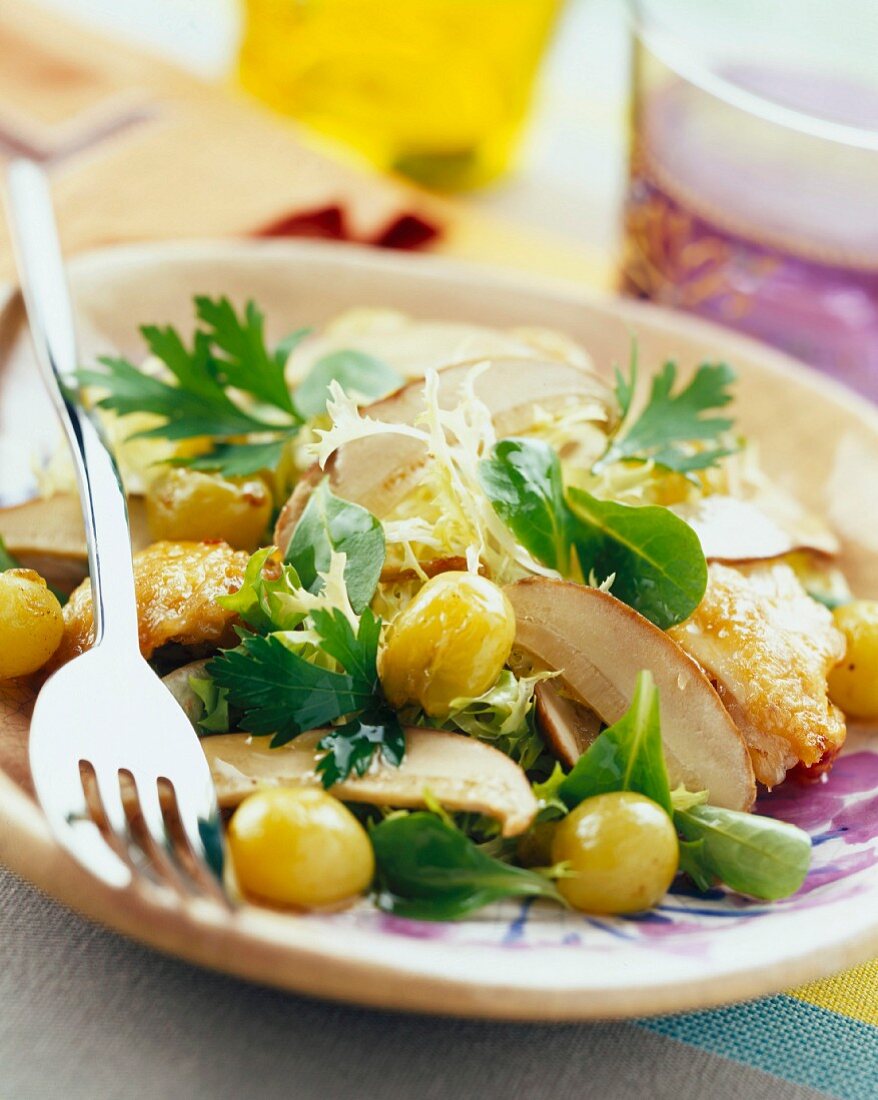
47 299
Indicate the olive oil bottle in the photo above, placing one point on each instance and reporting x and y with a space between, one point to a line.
435 89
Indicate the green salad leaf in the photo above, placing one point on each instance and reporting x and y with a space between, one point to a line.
329 524
355 371
503 716
429 870
627 756
656 559
215 717
523 481
753 855
257 601
671 421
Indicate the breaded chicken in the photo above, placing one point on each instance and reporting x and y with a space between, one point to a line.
769 647
177 584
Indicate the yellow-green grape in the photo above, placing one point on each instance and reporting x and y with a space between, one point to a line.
452 641
190 505
31 623
622 849
299 847
853 684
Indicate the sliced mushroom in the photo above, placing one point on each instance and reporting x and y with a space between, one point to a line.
46 534
771 525
598 644
379 470
459 772
177 683
567 724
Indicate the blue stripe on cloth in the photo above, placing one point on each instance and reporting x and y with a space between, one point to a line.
788 1038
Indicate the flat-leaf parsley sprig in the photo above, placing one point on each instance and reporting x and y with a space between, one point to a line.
304 662
228 356
671 427
229 388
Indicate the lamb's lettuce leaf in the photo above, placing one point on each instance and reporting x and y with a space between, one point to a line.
429 870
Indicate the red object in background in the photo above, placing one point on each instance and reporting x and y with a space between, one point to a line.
408 231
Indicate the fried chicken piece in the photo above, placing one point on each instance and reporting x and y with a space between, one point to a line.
769 647
177 584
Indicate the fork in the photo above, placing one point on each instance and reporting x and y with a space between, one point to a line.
107 738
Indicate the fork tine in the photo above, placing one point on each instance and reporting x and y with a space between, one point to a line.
160 841
203 832
110 795
107 783
58 785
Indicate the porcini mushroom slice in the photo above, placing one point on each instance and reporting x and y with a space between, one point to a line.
377 471
732 529
568 725
459 772
598 644
177 683
46 534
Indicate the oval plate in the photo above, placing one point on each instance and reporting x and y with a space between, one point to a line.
525 962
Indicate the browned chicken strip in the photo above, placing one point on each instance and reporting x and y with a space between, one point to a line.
177 584
769 647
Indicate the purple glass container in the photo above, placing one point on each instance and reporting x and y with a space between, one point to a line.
753 192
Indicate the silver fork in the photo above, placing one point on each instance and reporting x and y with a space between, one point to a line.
105 724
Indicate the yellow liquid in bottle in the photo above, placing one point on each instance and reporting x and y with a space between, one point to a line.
436 89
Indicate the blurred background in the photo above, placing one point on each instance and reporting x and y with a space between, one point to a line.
569 169
716 157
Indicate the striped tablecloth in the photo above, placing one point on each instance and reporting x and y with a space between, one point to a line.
87 1015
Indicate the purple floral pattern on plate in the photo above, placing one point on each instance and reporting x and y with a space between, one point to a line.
839 812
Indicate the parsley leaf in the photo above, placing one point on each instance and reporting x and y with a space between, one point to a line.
355 371
429 870
351 747
229 353
282 693
672 419
238 459
330 524
356 653
245 362
625 387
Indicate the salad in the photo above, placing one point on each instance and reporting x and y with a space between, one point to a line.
457 617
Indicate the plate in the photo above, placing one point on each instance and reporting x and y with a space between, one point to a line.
513 961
